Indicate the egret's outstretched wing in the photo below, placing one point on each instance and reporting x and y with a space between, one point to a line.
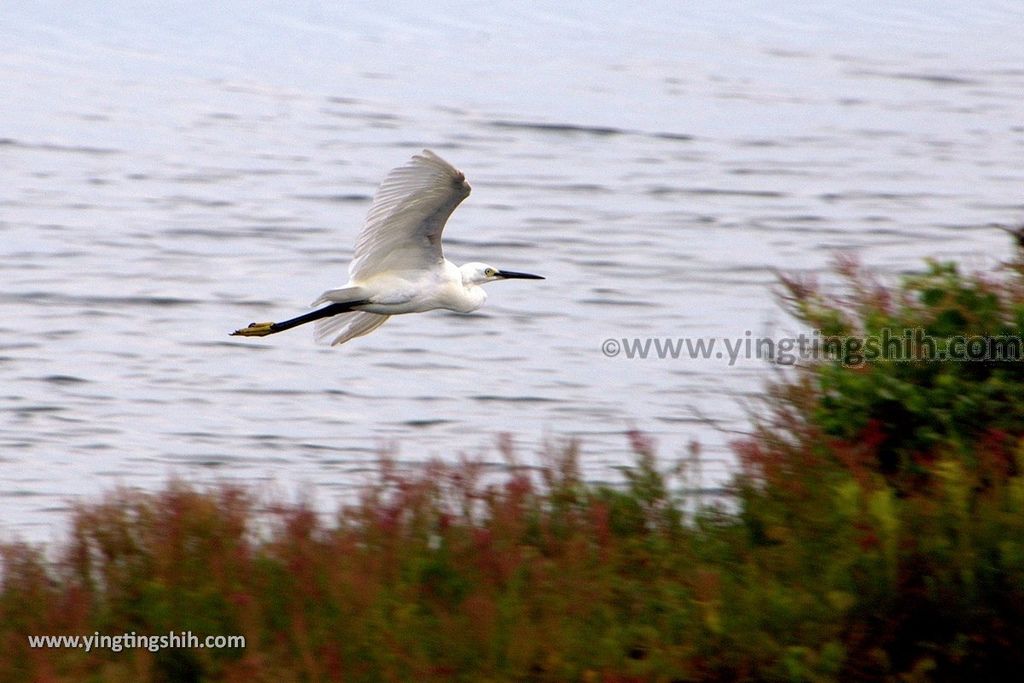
403 228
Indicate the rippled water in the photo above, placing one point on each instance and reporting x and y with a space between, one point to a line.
168 177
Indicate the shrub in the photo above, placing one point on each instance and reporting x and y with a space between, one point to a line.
877 533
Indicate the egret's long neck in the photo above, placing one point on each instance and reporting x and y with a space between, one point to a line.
468 274
467 295
472 295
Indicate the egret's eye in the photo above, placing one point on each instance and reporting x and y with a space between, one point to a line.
490 272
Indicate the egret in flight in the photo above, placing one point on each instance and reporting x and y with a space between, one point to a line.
398 266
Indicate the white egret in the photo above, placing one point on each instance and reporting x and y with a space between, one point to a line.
398 266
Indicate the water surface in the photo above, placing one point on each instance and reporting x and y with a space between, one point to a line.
167 177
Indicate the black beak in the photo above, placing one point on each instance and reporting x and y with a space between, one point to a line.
512 275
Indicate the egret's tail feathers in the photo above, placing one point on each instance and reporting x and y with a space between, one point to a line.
340 295
340 328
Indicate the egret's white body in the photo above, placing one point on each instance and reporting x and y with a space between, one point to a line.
398 265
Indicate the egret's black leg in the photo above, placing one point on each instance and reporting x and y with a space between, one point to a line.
263 329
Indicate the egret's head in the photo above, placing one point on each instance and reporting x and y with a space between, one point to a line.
478 273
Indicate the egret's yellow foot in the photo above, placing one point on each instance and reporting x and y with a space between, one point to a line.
255 330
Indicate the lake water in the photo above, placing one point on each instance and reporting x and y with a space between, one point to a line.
167 176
